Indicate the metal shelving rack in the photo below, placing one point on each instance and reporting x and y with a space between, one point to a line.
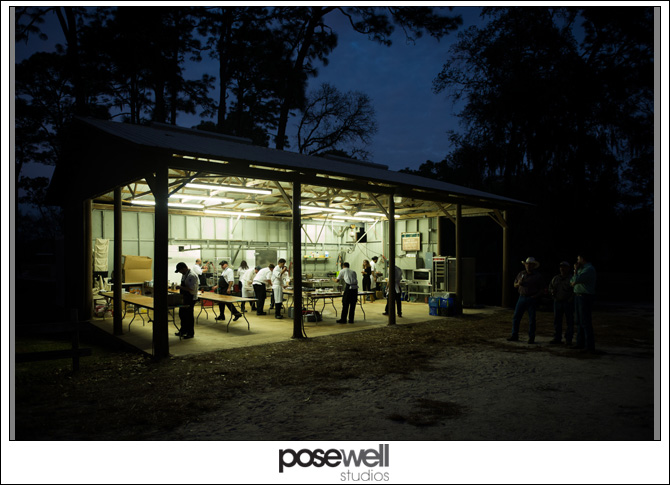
421 286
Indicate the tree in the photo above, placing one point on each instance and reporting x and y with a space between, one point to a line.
332 120
305 32
147 51
552 118
44 103
71 20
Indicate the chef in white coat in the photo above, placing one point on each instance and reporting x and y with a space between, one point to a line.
278 283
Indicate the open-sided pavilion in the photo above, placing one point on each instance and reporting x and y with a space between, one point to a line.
156 169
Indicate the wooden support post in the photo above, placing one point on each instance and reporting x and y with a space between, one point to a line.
88 252
160 325
392 283
459 264
118 241
506 296
297 262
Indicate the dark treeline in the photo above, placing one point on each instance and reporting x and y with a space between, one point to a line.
557 110
555 103
130 63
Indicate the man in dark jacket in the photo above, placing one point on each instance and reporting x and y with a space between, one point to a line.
530 285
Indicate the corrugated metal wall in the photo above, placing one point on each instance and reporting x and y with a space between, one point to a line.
228 238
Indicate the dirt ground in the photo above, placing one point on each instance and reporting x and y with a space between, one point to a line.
446 379
489 391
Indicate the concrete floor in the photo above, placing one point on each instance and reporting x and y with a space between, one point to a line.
211 334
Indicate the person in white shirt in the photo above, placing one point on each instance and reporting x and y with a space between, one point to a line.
260 283
398 299
374 274
349 280
197 269
189 291
278 284
225 287
246 283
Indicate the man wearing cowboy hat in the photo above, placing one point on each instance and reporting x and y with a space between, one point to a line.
530 285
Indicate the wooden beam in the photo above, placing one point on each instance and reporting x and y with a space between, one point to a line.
391 252
118 268
506 294
283 194
378 204
159 187
459 262
88 252
297 263
444 211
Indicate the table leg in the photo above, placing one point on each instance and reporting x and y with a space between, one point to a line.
202 307
131 320
174 321
361 305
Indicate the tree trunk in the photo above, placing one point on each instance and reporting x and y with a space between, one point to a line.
317 15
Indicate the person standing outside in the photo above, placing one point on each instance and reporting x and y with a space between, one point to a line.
561 291
188 288
584 285
246 283
225 287
398 299
349 282
278 283
530 285
261 281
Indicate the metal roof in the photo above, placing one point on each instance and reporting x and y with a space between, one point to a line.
215 146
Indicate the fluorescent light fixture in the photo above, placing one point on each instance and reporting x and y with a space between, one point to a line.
353 218
374 214
202 197
188 157
230 213
229 188
170 204
322 209
186 206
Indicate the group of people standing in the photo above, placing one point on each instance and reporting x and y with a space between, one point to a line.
573 293
254 283
349 281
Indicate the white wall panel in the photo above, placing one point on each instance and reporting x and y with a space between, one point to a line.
146 225
129 226
208 228
221 228
177 226
193 228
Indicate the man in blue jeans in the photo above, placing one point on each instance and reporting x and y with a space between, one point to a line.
530 285
584 285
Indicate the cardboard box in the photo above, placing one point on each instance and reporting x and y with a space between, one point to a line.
137 269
